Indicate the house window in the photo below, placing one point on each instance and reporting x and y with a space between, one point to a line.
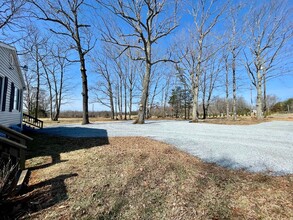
11 62
16 99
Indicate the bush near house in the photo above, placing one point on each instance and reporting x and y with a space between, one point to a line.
8 172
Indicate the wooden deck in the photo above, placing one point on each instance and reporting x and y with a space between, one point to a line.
13 145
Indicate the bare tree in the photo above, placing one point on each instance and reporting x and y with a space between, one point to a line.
206 14
156 78
47 71
165 94
208 81
148 25
132 81
67 16
234 48
34 48
10 12
231 52
54 66
104 93
268 32
29 81
227 82
119 84
131 86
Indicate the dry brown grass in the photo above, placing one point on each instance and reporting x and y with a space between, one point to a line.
247 120
241 120
139 178
61 121
281 117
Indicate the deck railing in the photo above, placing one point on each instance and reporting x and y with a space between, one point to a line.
13 145
31 120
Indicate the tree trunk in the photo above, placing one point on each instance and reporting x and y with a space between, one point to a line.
55 118
130 80
37 97
125 99
111 100
50 91
204 111
146 82
60 95
259 114
185 103
116 108
51 104
195 84
153 98
195 101
121 99
166 91
227 91
130 103
204 88
265 96
85 112
144 97
28 101
234 86
38 84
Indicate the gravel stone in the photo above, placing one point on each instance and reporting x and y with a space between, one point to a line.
265 147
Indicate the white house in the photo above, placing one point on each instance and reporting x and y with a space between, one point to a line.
11 87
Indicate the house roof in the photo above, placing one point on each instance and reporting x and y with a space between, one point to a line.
6 46
17 64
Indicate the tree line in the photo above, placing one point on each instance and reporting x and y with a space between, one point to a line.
147 55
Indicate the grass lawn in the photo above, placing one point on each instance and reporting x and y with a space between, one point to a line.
139 178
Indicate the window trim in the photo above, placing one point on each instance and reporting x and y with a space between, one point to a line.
16 99
12 91
1 89
11 62
5 88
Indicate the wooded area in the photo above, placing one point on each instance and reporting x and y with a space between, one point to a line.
178 58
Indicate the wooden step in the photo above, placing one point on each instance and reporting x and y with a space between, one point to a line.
19 181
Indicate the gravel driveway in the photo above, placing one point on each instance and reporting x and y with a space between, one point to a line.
262 147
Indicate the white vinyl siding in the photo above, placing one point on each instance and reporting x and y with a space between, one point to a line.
14 117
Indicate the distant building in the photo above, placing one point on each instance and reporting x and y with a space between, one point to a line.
11 87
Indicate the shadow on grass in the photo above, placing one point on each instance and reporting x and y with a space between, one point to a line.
52 191
54 141
37 197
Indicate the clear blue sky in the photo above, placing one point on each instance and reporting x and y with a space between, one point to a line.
282 86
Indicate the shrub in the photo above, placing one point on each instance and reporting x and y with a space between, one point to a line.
8 172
